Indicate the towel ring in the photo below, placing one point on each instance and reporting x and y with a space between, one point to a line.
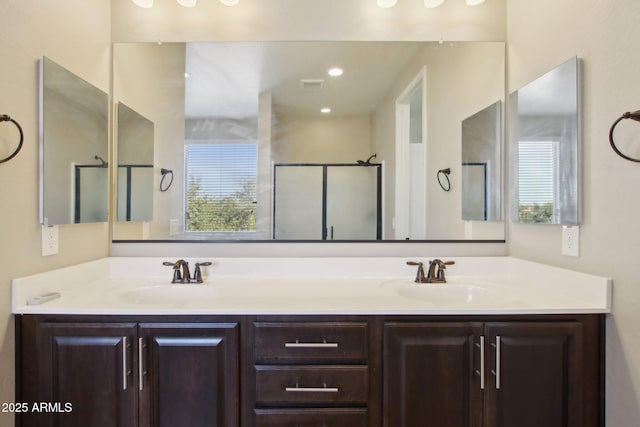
633 116
446 173
6 118
164 173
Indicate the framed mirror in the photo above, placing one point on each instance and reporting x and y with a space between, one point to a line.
545 147
229 115
74 148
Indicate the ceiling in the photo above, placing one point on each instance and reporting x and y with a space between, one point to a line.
225 78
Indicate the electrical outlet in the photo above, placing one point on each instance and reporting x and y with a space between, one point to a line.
570 240
49 240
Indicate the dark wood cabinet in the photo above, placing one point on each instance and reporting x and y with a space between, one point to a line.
536 375
188 374
309 371
429 375
83 370
497 374
129 374
333 417
312 373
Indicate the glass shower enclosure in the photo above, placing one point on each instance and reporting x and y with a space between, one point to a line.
327 202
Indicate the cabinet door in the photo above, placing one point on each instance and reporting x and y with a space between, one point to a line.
536 371
85 373
429 375
188 374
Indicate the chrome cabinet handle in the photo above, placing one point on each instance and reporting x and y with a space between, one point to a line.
140 363
299 389
481 373
497 371
124 363
323 344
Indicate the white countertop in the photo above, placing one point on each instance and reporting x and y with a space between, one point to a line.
475 285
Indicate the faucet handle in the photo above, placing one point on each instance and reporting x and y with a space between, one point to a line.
420 274
439 274
197 273
177 277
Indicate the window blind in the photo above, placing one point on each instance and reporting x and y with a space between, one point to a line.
221 186
535 172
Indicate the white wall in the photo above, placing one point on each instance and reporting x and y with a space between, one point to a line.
149 78
308 139
604 34
75 34
307 20
462 79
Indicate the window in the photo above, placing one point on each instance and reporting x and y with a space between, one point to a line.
536 180
221 187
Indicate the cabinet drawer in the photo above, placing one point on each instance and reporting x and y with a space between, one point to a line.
311 385
311 342
311 417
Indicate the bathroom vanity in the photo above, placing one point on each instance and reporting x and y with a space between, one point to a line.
349 348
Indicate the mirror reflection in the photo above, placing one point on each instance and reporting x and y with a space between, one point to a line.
481 164
546 147
258 134
135 165
74 148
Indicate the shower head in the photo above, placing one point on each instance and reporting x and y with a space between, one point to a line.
366 162
103 163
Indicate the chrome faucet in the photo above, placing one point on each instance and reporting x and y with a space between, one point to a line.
185 275
435 274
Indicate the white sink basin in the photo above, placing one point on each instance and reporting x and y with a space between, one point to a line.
445 293
172 295
460 293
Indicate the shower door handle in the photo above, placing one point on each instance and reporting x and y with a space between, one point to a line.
328 233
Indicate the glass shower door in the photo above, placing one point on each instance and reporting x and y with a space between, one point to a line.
352 203
298 203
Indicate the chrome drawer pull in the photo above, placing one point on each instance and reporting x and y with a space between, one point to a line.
124 363
313 389
498 373
481 373
141 371
298 344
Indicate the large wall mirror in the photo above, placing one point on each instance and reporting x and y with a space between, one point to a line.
545 146
74 147
298 141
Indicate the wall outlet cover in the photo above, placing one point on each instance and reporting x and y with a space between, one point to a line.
570 240
49 240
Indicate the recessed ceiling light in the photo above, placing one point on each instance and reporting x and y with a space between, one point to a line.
230 2
335 72
325 110
474 2
187 3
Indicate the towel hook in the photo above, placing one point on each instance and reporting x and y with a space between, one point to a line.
6 118
633 116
